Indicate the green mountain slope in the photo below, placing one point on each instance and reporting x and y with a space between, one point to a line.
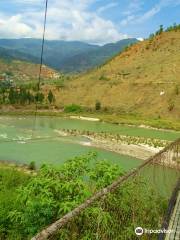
11 54
62 55
93 58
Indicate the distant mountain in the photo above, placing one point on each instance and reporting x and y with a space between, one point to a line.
66 56
95 57
12 54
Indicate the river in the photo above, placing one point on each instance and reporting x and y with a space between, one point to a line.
22 140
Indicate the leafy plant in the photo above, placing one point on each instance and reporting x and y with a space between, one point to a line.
32 165
72 108
53 192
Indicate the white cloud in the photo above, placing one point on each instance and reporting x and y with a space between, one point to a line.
107 7
67 19
133 7
13 27
134 17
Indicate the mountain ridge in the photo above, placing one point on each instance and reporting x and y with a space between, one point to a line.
65 56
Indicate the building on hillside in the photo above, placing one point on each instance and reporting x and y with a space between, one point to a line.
49 74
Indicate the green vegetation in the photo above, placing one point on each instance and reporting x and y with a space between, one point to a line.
98 106
38 201
65 56
51 97
24 95
73 108
32 166
175 27
10 181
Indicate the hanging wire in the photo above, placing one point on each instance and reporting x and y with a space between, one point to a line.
42 47
41 62
40 71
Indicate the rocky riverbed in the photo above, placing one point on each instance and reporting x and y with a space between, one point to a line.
138 147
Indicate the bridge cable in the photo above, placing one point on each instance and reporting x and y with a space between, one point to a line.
41 59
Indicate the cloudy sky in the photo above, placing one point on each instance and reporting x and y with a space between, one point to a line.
92 21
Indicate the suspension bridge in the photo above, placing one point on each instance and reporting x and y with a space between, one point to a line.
169 160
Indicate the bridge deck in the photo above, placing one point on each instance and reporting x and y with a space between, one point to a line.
174 224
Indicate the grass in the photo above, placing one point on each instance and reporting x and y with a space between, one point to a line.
10 180
135 80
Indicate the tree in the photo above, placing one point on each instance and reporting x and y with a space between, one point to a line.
39 97
51 97
30 97
13 96
22 95
161 29
3 94
98 105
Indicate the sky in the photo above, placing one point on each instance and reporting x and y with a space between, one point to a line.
91 21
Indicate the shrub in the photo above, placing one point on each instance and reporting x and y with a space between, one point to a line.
10 180
103 78
54 192
32 166
72 108
98 105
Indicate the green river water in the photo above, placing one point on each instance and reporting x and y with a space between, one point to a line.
39 140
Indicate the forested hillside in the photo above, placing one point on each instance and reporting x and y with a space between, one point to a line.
65 56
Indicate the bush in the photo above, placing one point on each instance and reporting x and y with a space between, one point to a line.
53 192
98 105
32 165
103 78
10 180
72 108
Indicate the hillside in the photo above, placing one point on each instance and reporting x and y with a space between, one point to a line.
143 79
66 56
24 72
11 54
94 57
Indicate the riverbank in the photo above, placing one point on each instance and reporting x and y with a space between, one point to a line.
138 147
114 118
24 168
137 151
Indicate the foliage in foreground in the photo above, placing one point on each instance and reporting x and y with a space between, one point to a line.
54 192
10 180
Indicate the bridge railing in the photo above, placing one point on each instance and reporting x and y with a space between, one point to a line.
137 199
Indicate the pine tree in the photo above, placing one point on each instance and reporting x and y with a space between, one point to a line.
51 97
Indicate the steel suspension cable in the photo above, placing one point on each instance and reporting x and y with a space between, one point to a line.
41 60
